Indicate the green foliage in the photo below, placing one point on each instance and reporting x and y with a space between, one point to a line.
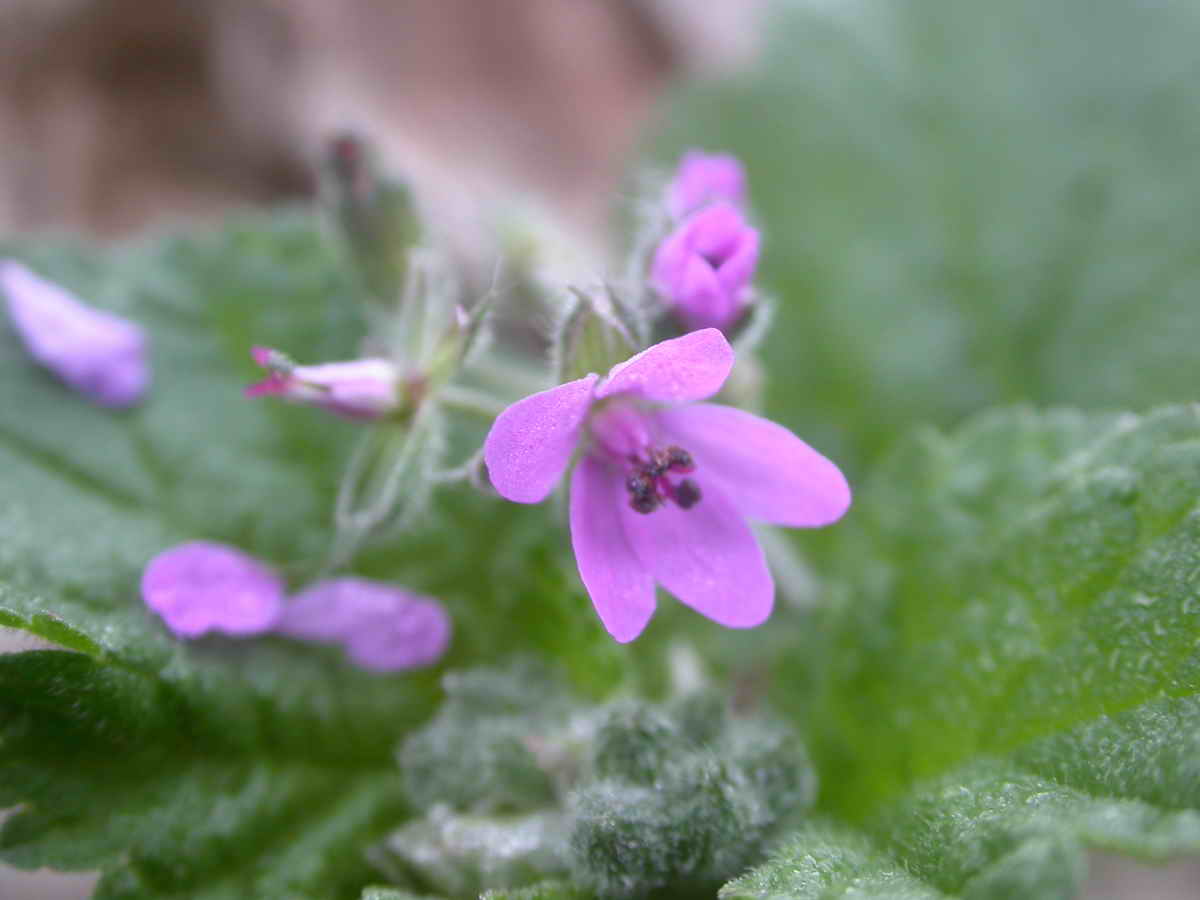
220 768
999 669
545 890
966 203
520 784
1008 672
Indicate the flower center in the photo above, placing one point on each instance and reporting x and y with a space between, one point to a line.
625 435
649 482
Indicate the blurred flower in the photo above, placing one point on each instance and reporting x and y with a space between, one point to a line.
99 354
381 626
704 178
200 586
361 389
665 484
704 268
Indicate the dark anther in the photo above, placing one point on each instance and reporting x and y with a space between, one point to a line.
642 495
679 460
644 503
687 493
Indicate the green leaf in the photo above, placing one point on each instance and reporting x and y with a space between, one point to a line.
217 768
1007 674
957 216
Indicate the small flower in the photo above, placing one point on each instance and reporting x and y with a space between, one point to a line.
360 390
704 178
665 484
704 268
200 586
382 627
101 355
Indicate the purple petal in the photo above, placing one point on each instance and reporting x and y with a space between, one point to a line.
716 231
101 355
706 556
768 472
701 300
414 634
383 627
683 369
703 178
621 588
737 271
331 610
531 442
200 586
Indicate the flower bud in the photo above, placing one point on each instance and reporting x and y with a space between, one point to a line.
374 217
360 390
704 268
704 178
594 336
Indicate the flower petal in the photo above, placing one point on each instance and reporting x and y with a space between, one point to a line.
201 586
531 442
692 367
415 634
768 472
101 355
382 626
703 178
701 299
621 588
707 556
737 271
332 609
716 232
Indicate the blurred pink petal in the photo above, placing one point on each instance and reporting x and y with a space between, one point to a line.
703 178
101 355
382 627
201 586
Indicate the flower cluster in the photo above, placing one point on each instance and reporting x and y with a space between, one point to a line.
664 486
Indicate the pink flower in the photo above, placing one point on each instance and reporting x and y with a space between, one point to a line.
704 178
101 355
200 586
382 627
704 267
665 484
361 389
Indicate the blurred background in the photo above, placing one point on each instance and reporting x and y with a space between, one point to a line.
964 203
117 114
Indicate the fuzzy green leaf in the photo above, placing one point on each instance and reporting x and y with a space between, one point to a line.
216 769
1008 674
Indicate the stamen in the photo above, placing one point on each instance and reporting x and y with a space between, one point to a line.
687 493
679 460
